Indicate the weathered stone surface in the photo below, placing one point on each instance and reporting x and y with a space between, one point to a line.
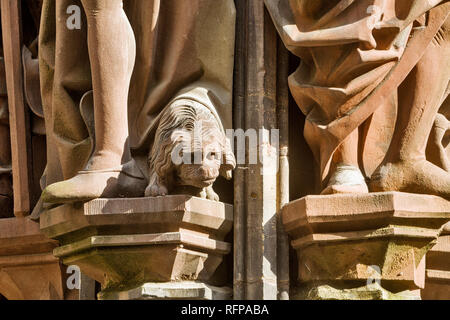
368 292
170 290
120 76
366 121
123 243
355 238
437 281
16 156
28 270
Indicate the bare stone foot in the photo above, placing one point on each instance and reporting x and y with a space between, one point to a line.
414 176
122 182
346 179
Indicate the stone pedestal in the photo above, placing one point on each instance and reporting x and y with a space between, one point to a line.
28 270
127 243
367 246
170 290
437 281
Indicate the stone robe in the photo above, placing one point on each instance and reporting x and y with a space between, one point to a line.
185 49
347 48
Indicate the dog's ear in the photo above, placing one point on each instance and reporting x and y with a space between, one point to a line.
228 161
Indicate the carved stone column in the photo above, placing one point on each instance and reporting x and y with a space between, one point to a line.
145 248
368 246
261 259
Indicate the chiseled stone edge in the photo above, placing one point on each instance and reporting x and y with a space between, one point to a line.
354 207
27 260
203 213
157 204
204 243
388 232
369 292
441 275
442 248
170 290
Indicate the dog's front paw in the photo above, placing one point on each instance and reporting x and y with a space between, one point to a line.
156 190
210 194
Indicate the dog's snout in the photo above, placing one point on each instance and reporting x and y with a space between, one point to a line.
207 173
204 172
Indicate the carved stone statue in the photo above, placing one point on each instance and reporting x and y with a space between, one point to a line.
354 56
107 86
189 152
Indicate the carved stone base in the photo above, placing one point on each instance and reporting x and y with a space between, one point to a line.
349 241
28 270
437 282
125 243
186 290
368 292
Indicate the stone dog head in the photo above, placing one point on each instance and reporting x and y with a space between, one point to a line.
189 153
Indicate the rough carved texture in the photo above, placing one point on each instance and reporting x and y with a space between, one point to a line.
372 78
171 290
189 152
344 242
124 243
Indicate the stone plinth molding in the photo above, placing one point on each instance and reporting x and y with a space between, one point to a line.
126 243
345 242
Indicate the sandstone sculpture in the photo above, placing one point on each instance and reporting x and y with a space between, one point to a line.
189 152
372 79
134 98
355 55
101 116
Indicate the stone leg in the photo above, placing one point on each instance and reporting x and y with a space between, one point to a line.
111 171
346 177
405 167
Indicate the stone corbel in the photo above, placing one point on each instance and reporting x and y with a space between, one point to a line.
367 246
145 248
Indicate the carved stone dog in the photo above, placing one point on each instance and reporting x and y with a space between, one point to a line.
189 153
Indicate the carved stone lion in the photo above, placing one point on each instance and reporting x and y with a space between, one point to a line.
189 153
